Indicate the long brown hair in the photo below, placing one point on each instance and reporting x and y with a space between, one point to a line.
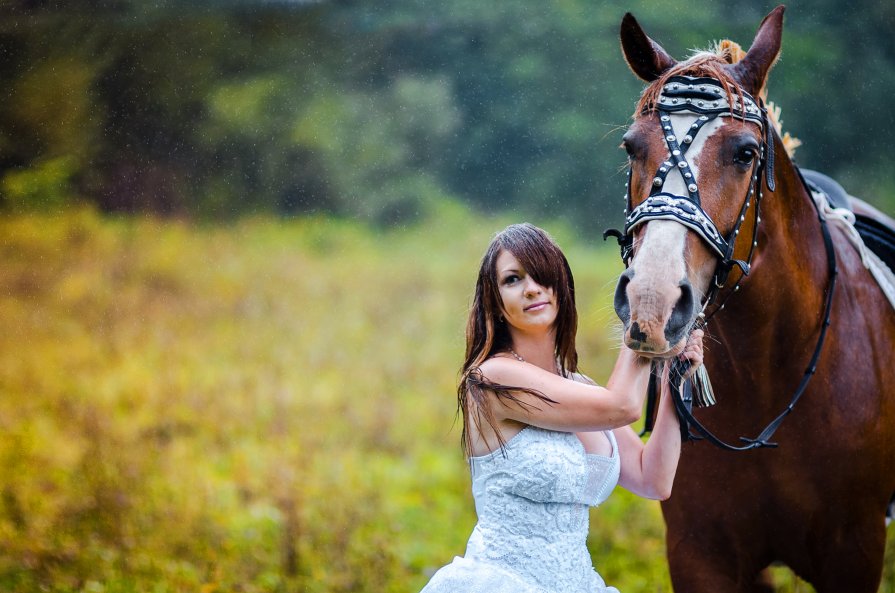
487 335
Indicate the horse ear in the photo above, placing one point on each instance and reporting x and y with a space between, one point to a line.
752 70
645 57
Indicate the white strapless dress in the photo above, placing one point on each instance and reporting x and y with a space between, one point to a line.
532 504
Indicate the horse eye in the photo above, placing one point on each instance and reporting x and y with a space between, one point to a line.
745 155
632 148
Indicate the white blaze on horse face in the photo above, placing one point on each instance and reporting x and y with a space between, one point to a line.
660 254
675 183
658 267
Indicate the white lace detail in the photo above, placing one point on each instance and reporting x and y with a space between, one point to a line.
532 503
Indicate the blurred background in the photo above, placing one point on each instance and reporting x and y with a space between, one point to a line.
378 110
237 245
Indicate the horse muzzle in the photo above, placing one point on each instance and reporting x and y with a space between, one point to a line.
655 317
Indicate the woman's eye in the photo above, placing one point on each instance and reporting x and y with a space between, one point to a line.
512 279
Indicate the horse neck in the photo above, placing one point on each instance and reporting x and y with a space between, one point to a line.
778 309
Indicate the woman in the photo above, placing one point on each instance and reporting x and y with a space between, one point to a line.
543 441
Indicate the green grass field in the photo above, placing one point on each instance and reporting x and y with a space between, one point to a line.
265 406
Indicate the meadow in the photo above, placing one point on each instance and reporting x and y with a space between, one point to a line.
259 406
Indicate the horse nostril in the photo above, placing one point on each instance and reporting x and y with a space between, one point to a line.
636 334
682 314
621 304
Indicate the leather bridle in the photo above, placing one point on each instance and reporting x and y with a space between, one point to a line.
707 99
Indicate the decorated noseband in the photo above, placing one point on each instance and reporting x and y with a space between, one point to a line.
707 99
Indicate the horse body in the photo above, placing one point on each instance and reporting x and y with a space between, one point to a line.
816 502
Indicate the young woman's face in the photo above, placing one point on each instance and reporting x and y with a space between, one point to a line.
527 306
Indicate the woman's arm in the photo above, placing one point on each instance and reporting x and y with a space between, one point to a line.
648 469
578 406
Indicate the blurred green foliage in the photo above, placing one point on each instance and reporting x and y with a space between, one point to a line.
378 110
263 406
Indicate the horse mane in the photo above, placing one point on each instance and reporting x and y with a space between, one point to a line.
709 64
712 63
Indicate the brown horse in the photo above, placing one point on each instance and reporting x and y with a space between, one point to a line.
817 500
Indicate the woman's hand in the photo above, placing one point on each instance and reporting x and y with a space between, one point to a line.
693 351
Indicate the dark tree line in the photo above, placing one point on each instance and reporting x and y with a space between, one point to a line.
380 109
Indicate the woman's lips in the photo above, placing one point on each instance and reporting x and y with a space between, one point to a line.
536 306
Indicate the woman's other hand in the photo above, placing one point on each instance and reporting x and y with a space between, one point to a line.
693 351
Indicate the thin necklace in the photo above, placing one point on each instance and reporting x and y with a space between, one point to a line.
520 359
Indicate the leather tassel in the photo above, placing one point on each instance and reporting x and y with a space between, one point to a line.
703 394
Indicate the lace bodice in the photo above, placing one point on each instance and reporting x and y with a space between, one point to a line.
546 466
532 503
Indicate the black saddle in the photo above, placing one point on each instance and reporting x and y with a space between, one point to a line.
877 236
836 194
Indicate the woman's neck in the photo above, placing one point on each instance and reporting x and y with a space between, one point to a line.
539 350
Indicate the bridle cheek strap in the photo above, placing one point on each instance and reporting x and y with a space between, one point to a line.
769 165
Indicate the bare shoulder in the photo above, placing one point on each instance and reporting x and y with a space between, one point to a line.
492 425
502 369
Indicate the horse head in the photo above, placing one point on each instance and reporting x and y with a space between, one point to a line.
700 154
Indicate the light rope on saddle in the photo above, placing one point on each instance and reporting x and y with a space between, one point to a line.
845 220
